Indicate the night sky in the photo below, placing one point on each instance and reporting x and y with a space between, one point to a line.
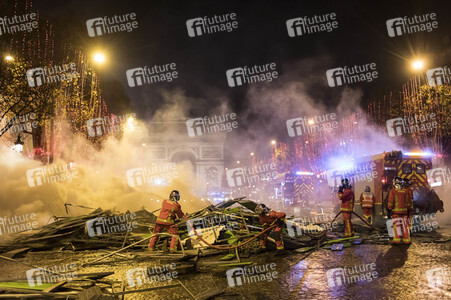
261 37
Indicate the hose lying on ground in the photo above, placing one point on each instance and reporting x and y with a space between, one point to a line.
257 235
366 222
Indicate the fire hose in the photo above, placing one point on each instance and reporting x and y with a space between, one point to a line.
336 216
267 229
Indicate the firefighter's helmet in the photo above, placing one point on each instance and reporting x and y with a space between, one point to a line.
367 189
345 183
398 182
407 182
174 196
261 209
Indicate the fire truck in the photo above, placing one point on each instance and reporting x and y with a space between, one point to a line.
299 191
378 172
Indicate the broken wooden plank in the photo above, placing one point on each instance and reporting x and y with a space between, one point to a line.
147 289
114 252
186 289
24 286
209 295
62 295
16 253
55 286
342 239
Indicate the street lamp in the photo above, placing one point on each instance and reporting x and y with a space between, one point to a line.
9 58
99 58
418 65
130 125
18 145
273 142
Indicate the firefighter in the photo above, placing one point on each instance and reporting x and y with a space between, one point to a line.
269 218
165 221
367 200
407 185
399 203
347 198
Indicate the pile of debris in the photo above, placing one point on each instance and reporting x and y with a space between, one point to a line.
73 233
228 227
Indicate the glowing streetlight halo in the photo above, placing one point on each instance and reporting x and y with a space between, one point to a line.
418 64
9 58
99 57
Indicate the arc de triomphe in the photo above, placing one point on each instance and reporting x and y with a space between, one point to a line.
170 142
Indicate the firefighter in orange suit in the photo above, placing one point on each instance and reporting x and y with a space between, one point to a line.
269 218
165 221
407 186
400 204
347 198
367 200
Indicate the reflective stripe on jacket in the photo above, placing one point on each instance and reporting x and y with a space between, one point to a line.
169 211
367 199
347 200
272 218
399 201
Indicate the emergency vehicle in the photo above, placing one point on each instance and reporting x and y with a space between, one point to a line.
378 171
299 190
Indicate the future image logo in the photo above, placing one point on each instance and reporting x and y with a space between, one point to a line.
438 76
254 274
113 224
54 274
317 124
439 176
341 276
158 273
420 223
251 175
407 25
355 173
35 77
309 25
251 74
210 125
51 174
296 226
209 25
350 75
203 225
411 124
439 277
109 125
20 123
55 74
157 174
18 223
114 24
235 177
15 24
151 75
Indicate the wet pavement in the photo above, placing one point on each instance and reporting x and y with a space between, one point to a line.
371 271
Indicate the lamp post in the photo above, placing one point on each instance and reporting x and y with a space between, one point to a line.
417 66
18 145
